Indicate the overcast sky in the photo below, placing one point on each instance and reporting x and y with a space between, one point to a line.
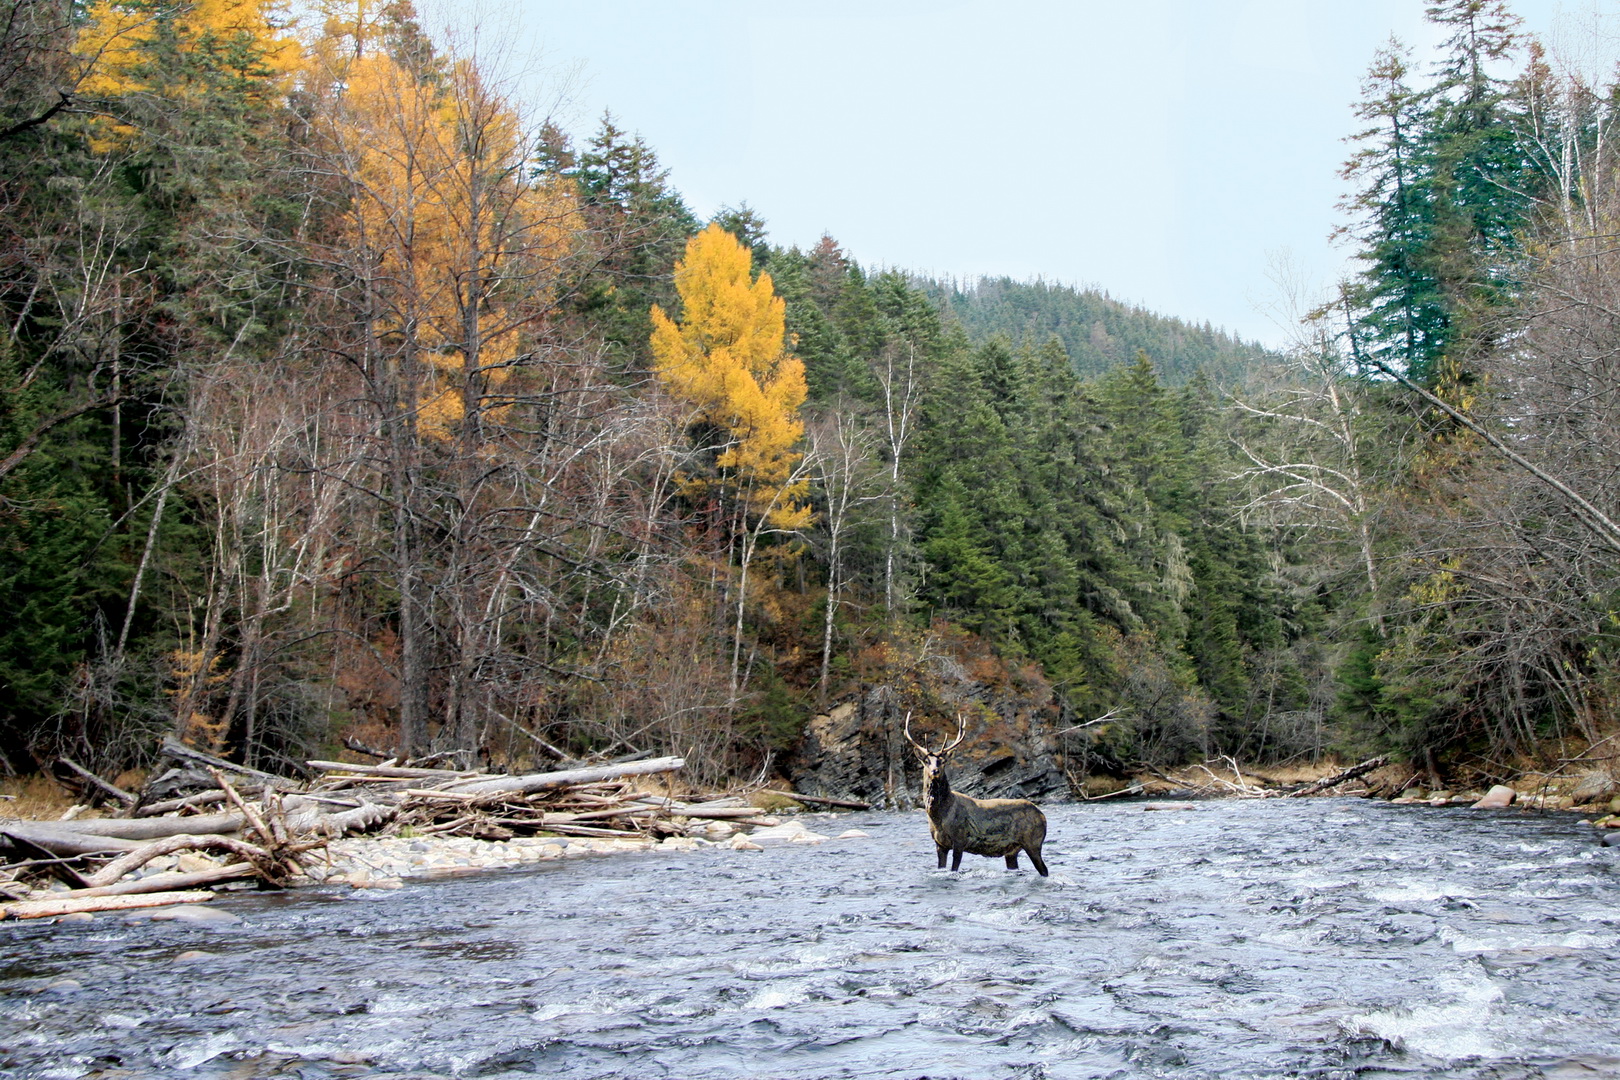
1168 151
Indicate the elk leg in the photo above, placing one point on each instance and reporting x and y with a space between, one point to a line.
942 850
1035 857
1012 861
956 859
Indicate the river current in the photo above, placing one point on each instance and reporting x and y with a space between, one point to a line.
1308 938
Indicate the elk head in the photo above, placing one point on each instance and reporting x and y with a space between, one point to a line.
936 785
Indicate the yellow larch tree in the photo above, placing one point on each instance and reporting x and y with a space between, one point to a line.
727 359
451 251
467 246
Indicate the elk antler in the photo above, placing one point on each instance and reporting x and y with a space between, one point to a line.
961 733
919 747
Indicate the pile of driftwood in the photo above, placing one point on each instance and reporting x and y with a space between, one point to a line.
1244 786
598 800
100 860
265 825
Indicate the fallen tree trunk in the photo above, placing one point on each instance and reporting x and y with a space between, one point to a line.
1338 778
138 858
305 816
513 785
45 909
57 839
155 828
169 806
716 813
168 882
823 800
93 782
179 751
396 771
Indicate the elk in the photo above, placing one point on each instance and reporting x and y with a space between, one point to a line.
983 826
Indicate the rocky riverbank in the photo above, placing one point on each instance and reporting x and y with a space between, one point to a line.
388 862
385 862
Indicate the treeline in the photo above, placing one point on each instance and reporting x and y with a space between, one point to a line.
1098 332
336 404
1445 452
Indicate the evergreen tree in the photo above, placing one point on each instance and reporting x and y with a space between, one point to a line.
1401 313
636 225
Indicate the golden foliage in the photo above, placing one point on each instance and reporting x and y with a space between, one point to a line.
464 244
726 358
245 39
194 680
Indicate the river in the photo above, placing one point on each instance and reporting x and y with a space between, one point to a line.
1308 938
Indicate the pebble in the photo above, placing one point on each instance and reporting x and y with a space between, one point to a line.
792 832
680 843
191 862
76 917
191 956
192 914
386 862
62 986
852 834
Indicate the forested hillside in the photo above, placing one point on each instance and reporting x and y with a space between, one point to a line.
1097 331
336 404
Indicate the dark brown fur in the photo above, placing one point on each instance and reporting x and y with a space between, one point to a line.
960 823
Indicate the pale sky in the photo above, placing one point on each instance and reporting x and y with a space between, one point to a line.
1170 152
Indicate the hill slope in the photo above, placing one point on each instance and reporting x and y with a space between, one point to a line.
1098 332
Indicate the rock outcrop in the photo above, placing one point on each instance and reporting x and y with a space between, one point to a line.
858 750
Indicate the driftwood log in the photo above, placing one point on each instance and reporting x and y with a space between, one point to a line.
170 845
56 838
822 800
153 828
84 778
1336 779
523 785
45 909
169 882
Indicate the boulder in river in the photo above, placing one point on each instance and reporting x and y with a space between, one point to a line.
1596 786
1499 797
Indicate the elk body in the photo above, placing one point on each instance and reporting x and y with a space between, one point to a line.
961 823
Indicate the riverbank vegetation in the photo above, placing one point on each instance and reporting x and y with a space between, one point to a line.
340 403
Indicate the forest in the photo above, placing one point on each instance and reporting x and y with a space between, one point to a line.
340 406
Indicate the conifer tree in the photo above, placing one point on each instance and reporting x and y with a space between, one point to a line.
726 359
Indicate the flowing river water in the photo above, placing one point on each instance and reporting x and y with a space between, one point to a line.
1306 938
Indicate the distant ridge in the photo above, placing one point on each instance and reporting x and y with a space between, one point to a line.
1097 331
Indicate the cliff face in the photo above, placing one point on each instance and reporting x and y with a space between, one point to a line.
858 750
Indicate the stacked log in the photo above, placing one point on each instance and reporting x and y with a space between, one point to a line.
589 801
247 826
96 859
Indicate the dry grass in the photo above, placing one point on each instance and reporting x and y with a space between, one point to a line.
770 802
1095 787
1288 775
35 798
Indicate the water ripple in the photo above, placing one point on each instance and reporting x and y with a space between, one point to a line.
1330 938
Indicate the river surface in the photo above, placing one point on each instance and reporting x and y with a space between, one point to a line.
1311 938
